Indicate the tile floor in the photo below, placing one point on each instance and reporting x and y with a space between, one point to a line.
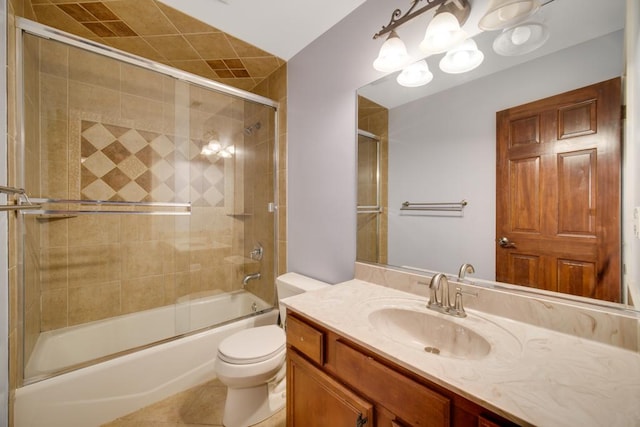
198 406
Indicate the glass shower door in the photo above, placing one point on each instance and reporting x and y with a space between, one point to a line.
369 209
154 191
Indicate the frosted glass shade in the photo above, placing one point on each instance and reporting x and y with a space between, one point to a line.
393 55
416 74
521 39
443 32
507 13
464 57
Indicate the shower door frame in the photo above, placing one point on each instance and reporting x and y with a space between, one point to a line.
376 209
45 32
4 231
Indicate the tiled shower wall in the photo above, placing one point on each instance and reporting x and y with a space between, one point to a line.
273 86
95 144
374 118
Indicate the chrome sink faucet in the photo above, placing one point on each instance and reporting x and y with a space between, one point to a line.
440 283
464 269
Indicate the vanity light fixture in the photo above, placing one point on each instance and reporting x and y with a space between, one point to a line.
507 13
521 39
215 148
464 57
416 74
393 55
443 33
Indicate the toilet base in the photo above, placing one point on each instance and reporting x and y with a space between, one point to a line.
248 406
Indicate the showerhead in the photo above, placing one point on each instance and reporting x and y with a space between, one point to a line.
249 129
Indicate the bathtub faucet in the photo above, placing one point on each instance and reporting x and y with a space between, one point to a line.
249 277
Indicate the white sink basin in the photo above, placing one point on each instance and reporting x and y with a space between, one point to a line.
431 333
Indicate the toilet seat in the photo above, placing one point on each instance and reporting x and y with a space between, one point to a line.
252 345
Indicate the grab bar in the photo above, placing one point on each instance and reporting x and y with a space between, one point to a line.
444 206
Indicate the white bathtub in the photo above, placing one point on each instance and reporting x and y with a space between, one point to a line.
99 393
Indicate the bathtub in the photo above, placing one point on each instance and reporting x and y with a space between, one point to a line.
99 393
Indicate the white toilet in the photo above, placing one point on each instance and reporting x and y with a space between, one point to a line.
251 363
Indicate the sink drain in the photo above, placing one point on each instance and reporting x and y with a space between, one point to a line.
432 350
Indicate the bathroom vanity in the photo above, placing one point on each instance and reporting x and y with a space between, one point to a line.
334 381
360 354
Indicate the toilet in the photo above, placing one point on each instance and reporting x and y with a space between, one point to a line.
251 363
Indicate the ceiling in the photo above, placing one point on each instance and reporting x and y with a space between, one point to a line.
280 27
241 42
261 24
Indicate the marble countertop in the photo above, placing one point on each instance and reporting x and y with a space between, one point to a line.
532 375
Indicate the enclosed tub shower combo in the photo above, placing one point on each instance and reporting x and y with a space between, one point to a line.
147 226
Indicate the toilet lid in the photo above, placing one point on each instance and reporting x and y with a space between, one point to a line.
252 345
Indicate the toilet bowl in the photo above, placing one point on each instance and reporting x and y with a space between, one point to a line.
251 363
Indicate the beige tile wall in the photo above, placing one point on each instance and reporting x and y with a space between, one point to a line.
95 267
187 276
374 118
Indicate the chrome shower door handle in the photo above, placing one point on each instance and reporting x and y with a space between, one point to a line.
504 242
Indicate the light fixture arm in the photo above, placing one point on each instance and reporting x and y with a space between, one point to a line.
460 8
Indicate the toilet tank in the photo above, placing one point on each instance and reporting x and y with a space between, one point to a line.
290 284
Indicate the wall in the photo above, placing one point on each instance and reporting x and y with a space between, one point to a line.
323 79
442 148
322 83
372 182
271 84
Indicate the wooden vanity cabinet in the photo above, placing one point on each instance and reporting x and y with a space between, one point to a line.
334 382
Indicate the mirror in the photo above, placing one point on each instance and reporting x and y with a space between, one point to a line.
437 142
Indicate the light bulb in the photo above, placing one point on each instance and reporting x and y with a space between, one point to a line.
464 57
393 55
214 145
416 74
520 35
443 32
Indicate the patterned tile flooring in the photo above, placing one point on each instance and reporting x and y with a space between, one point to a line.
197 407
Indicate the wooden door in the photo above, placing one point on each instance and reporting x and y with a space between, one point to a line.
558 193
316 400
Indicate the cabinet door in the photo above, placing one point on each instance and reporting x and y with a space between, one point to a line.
412 402
316 400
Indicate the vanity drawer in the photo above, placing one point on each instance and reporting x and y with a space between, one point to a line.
412 402
306 339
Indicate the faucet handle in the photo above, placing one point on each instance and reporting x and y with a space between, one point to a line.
458 307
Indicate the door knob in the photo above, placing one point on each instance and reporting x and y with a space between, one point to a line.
506 243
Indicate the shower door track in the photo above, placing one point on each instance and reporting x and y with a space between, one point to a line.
44 31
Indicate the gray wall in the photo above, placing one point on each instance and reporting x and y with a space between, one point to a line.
321 117
435 157
322 80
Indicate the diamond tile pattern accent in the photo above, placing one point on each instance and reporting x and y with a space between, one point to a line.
124 164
